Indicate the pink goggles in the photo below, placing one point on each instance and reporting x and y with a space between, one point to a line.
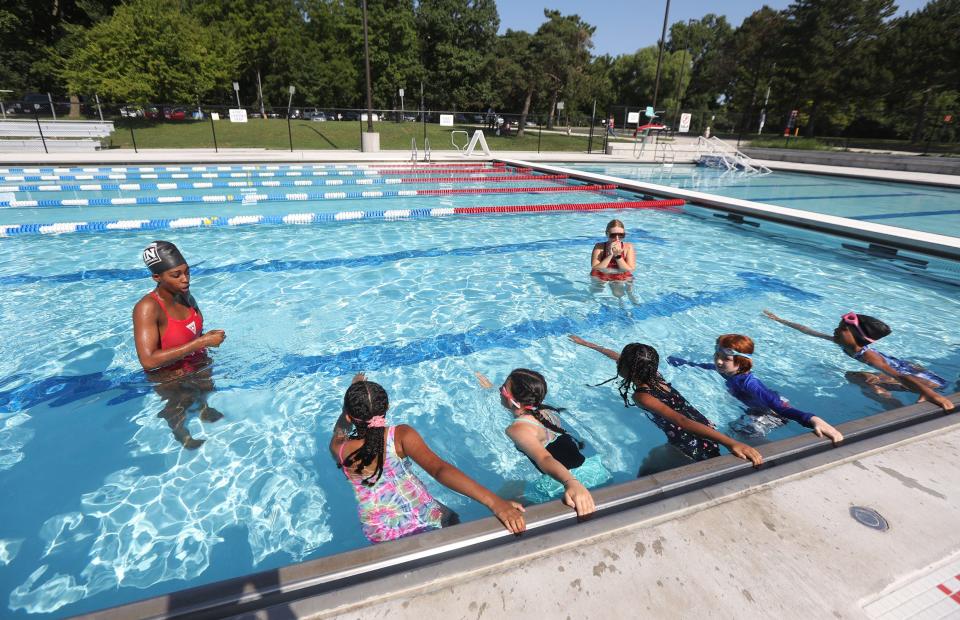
850 318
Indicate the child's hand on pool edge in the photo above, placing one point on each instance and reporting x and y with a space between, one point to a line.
745 452
510 514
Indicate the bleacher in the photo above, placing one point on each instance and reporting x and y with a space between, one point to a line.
73 136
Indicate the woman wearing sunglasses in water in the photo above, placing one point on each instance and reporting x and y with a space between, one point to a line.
613 260
855 334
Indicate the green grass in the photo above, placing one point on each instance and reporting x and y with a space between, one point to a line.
309 135
804 144
839 144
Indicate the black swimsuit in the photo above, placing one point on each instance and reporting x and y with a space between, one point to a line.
691 445
563 448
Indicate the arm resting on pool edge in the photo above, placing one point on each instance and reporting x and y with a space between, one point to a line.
575 495
410 443
738 449
757 392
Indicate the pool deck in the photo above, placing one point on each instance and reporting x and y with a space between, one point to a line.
773 544
182 156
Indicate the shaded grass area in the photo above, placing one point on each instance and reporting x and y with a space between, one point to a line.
307 135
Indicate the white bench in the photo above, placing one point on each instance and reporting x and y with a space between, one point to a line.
60 135
36 145
55 129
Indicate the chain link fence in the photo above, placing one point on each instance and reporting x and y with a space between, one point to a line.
204 126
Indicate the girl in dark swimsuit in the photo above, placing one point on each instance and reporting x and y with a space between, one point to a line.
536 432
687 430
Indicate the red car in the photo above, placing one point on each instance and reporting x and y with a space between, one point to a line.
175 114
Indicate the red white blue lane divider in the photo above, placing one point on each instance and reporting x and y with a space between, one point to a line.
315 218
100 187
257 198
51 170
122 176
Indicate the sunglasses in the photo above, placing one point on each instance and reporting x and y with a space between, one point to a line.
850 318
616 235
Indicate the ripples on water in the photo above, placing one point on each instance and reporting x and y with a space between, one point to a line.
109 508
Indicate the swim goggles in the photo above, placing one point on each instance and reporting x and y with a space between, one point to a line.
506 394
851 318
728 352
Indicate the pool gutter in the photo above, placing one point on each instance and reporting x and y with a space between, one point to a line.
343 579
891 238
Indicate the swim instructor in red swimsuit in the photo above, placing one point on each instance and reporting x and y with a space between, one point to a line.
613 260
171 345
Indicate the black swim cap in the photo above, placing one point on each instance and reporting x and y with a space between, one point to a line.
162 255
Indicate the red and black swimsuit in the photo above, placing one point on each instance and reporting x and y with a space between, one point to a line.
180 332
616 276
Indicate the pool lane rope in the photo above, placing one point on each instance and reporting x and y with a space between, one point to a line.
101 187
258 198
252 175
316 218
52 170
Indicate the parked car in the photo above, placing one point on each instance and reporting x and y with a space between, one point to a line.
175 114
131 112
317 115
479 118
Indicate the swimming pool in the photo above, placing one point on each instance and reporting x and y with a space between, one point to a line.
109 508
918 207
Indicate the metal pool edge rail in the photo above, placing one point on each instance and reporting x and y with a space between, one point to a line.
327 575
942 246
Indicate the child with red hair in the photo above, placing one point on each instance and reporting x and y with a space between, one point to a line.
733 359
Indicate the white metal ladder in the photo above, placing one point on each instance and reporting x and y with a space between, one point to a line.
413 151
716 153
426 149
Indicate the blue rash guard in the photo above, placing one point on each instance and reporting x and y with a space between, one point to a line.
753 393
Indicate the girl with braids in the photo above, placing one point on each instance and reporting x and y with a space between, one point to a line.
536 431
392 500
855 334
686 429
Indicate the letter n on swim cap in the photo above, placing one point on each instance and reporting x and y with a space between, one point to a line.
162 255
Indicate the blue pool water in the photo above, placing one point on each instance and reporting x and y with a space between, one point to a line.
918 207
103 506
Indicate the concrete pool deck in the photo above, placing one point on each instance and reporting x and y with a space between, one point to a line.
776 543
186 156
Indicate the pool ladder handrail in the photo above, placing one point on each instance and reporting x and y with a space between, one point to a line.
413 151
731 157
426 150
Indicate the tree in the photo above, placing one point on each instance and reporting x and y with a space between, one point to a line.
150 51
562 52
829 43
456 39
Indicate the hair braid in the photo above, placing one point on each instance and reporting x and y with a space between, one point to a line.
637 366
530 388
363 401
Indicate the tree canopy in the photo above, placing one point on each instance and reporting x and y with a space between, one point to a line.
845 65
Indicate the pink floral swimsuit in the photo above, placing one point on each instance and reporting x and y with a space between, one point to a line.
397 504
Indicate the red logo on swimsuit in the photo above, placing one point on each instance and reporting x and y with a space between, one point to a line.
192 326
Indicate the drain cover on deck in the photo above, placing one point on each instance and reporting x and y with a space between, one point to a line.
869 517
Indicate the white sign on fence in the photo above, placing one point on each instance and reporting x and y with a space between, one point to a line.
215 116
559 105
238 116
446 120
633 117
684 123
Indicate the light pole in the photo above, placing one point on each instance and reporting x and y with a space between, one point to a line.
366 61
663 41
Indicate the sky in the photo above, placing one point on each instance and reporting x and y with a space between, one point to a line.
624 26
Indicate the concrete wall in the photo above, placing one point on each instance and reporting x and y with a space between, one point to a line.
908 163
